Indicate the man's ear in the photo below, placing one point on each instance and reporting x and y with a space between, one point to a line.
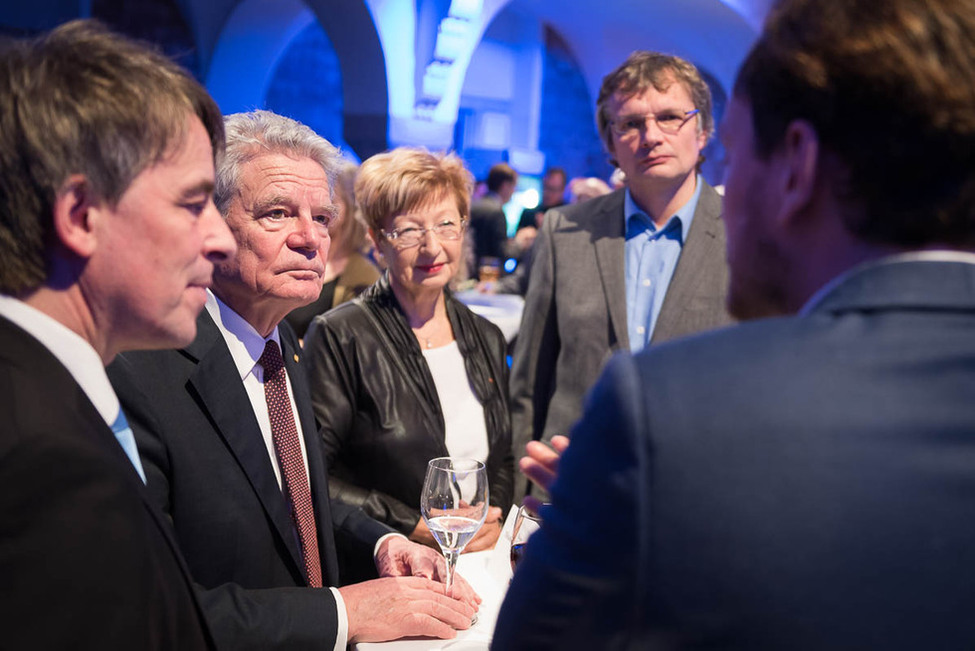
799 166
74 205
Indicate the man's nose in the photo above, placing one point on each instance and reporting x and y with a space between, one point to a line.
308 234
651 130
218 241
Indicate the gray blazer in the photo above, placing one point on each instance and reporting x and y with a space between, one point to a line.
575 308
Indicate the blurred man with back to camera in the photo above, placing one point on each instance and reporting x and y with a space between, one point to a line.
489 224
805 482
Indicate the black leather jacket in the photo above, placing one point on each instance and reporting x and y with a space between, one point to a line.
378 407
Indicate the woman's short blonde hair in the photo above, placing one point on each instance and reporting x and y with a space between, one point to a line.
407 178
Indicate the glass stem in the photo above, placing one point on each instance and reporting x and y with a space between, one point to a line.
451 556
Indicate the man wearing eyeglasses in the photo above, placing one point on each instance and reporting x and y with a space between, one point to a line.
638 266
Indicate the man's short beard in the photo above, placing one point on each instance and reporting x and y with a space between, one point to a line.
765 293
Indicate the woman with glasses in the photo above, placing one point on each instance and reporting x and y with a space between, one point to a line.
405 372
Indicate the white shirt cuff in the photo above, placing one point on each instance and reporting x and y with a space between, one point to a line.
342 632
375 550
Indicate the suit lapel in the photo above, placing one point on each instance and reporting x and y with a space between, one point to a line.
165 527
106 439
608 233
702 251
222 394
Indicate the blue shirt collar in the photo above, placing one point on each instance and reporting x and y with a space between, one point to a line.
681 219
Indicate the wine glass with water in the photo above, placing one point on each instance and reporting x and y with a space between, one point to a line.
454 503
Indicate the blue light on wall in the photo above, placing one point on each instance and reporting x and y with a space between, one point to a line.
307 84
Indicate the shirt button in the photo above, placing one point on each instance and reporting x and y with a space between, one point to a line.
646 282
641 330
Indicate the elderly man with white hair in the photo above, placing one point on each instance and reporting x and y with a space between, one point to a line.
228 439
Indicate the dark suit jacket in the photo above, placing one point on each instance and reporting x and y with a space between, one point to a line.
803 483
209 469
490 228
530 216
86 560
575 308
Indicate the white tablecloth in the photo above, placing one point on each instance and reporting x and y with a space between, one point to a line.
489 572
503 310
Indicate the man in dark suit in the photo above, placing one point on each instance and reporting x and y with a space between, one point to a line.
804 482
553 196
488 223
637 266
238 468
108 237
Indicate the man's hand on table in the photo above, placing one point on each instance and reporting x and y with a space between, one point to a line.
397 556
394 607
541 466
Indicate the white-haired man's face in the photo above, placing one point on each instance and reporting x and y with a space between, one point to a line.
280 218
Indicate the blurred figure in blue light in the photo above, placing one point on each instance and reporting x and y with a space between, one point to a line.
488 223
590 187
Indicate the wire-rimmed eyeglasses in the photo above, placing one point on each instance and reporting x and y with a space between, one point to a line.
669 122
410 236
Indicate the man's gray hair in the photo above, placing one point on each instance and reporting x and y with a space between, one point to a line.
84 100
262 132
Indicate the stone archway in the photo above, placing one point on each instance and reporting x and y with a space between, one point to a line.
257 34
350 27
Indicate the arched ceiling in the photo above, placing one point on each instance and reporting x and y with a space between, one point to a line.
714 34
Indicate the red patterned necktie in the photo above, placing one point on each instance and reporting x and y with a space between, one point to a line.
288 451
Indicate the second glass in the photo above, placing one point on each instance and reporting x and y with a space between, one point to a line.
526 523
